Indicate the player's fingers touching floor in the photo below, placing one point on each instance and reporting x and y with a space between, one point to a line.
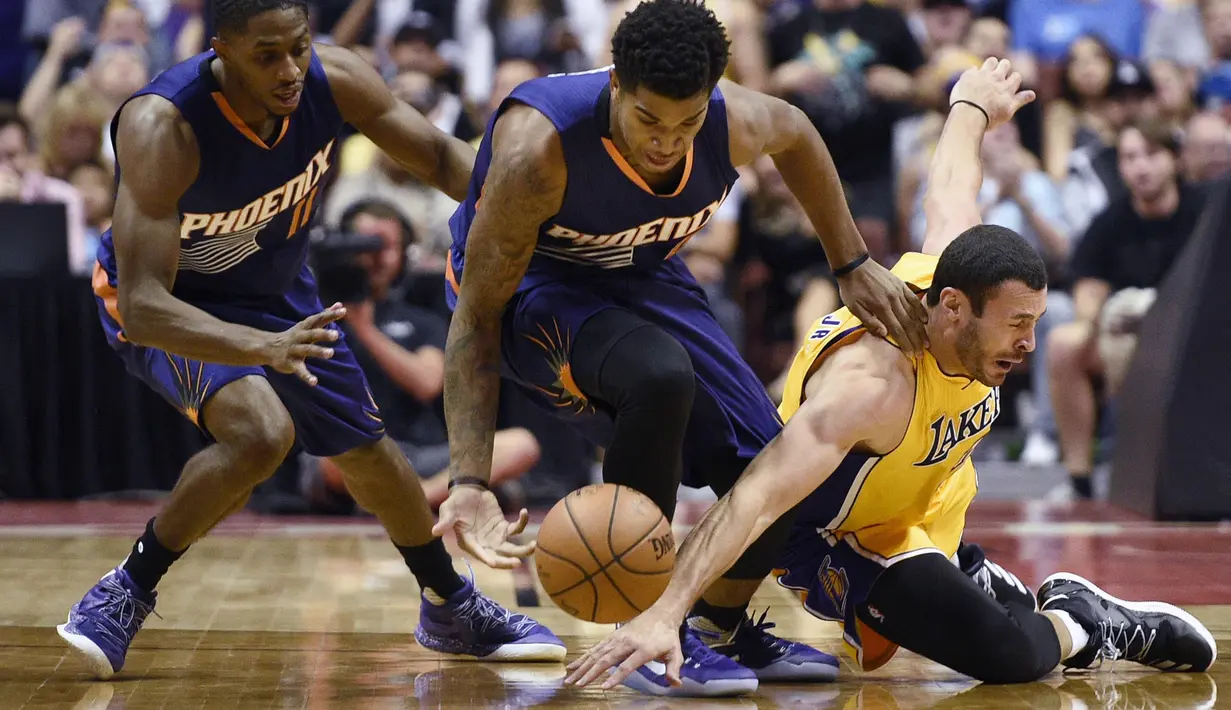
586 668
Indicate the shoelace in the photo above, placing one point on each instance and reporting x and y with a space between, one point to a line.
761 629
1115 645
121 611
1118 638
483 614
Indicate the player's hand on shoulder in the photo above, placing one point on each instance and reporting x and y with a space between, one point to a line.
886 305
288 351
994 87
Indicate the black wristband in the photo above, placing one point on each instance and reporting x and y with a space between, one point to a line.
469 481
854 264
971 103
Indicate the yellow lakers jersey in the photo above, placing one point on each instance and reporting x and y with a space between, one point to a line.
888 501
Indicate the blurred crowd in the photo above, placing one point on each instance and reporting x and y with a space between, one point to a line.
1105 173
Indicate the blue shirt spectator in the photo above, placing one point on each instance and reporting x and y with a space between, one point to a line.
1045 28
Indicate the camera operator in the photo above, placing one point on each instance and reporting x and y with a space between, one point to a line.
401 350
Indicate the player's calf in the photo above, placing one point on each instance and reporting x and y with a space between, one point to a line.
925 604
1001 584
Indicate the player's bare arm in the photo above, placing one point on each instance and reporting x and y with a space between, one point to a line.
158 159
431 155
764 125
983 98
860 398
525 186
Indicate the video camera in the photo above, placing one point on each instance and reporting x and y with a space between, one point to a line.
335 261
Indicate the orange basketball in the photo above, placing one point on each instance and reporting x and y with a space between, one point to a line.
605 553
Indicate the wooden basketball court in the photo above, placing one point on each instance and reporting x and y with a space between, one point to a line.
311 613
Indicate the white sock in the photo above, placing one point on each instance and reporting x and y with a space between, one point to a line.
1078 635
432 597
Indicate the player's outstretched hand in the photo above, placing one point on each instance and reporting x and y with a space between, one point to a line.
649 637
474 515
995 88
289 349
886 305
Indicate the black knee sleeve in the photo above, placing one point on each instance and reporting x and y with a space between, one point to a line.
646 378
927 605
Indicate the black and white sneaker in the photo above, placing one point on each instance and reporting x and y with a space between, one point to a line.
1001 584
1154 634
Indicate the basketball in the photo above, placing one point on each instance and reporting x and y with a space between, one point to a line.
605 553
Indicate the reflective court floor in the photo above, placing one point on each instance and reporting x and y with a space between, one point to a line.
310 613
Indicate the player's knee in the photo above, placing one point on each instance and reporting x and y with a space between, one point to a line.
664 382
269 440
247 418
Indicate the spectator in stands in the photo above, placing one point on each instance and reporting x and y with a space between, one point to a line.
1019 195
1047 28
22 181
41 17
125 23
367 173
64 42
118 71
559 35
73 129
374 24
850 65
1207 147
416 47
97 189
1093 177
1078 117
1214 85
1175 86
401 350
183 30
799 288
944 23
509 74
1174 33
1129 247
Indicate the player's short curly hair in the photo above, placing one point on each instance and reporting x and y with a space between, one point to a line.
675 48
233 15
983 258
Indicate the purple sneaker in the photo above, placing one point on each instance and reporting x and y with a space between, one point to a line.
705 673
102 625
470 624
771 658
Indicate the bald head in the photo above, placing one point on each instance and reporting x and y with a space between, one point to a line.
1207 147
